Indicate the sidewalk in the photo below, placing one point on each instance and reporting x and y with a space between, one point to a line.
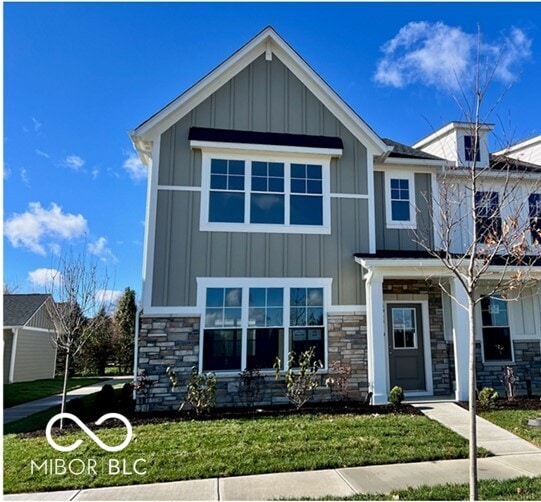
525 461
315 484
26 409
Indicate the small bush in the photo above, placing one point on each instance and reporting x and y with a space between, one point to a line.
396 395
250 387
488 396
338 381
106 401
201 391
301 380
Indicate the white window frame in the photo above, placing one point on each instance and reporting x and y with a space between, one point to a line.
245 284
396 224
480 336
249 154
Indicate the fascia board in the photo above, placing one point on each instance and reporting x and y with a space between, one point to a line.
519 146
446 130
194 96
395 162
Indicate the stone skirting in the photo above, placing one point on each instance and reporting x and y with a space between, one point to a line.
174 342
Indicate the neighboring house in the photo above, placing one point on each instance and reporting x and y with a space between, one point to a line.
526 151
29 352
278 220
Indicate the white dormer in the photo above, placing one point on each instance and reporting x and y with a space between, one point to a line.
456 143
526 151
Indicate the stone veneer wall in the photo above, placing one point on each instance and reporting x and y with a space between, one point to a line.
174 342
442 353
527 366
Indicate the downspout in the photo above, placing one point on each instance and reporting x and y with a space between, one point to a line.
13 355
136 351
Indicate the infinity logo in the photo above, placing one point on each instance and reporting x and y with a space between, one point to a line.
88 432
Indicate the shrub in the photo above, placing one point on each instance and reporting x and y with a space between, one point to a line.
201 391
250 385
126 403
338 381
488 396
301 381
106 401
396 395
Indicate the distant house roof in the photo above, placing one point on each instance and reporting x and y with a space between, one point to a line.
19 309
407 152
503 163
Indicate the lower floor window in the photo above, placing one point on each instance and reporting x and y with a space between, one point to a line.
249 327
496 331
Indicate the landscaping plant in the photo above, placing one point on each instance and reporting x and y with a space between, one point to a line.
338 381
201 391
488 397
300 379
396 396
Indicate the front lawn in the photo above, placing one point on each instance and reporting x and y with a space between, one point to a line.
232 447
515 489
515 421
22 392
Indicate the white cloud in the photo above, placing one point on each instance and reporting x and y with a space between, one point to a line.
45 277
108 296
95 173
37 124
36 225
435 54
100 249
41 153
7 172
135 168
74 162
24 177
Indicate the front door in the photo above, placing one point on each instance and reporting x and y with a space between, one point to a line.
406 349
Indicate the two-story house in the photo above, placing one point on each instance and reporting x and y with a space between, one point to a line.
278 220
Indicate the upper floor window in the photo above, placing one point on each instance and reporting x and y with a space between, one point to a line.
400 202
488 218
471 149
283 193
534 203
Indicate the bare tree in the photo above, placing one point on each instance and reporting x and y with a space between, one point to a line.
485 232
79 292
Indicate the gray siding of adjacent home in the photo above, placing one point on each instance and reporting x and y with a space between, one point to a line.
35 356
8 344
265 96
397 239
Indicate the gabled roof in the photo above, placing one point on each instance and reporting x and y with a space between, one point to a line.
523 145
267 42
19 309
447 129
402 151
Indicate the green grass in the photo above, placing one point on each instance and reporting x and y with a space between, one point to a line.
22 392
515 421
232 447
516 489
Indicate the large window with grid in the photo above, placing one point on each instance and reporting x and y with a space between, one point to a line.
400 200
496 330
247 326
251 193
488 218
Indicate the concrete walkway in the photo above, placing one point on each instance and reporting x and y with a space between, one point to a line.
491 437
26 409
314 484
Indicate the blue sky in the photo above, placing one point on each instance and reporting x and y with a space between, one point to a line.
77 76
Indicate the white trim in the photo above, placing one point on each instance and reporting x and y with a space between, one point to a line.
171 312
248 157
30 328
302 151
178 188
479 336
371 203
187 101
347 309
523 145
150 227
11 375
448 129
245 283
399 224
425 319
350 196
420 164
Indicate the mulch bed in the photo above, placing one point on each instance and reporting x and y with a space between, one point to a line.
154 418
519 403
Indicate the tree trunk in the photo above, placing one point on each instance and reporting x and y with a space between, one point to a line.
472 402
64 388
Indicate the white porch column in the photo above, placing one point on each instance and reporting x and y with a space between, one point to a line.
377 346
459 302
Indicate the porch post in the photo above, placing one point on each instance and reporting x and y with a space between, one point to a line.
459 302
377 346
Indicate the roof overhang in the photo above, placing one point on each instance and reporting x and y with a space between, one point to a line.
267 42
449 128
